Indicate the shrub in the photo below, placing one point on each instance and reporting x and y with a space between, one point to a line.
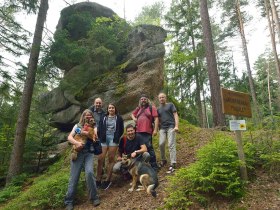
9 193
215 173
13 189
262 150
47 191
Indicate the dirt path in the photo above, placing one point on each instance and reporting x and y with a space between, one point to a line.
118 197
263 193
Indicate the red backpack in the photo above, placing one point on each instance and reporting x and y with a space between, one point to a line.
124 143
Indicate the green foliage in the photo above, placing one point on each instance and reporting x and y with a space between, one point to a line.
103 47
8 115
185 72
216 172
107 40
150 14
9 193
78 24
48 190
13 189
262 150
43 194
66 52
266 77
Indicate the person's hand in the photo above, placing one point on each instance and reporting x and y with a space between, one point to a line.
154 133
119 158
86 133
94 139
176 129
133 154
79 145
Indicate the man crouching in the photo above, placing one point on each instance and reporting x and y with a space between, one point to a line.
133 159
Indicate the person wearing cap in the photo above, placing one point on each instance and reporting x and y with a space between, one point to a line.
168 126
145 115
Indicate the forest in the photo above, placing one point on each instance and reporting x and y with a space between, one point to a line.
199 60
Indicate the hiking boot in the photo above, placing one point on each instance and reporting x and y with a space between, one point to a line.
96 202
106 184
162 163
171 169
98 184
69 206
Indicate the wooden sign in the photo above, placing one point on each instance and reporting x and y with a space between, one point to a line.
236 103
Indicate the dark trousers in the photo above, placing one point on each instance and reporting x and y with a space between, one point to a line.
146 138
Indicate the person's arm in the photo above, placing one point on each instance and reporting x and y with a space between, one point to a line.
142 149
176 117
156 120
120 150
121 126
134 114
79 145
155 126
100 126
133 117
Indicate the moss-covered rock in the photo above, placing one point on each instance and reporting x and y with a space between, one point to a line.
102 57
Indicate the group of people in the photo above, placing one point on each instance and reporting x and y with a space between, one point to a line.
137 143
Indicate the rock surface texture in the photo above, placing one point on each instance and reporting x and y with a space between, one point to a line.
141 72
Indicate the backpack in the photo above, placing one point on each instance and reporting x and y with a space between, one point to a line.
124 144
151 111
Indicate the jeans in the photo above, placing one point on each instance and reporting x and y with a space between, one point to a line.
169 134
109 140
147 140
84 158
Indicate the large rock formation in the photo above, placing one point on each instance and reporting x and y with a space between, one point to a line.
140 71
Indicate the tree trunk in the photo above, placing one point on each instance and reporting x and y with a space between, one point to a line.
16 160
197 81
273 42
205 118
268 89
245 51
275 17
216 100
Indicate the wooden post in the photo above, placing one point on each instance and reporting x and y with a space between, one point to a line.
241 155
237 104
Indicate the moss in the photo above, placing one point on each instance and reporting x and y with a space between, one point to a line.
123 65
120 90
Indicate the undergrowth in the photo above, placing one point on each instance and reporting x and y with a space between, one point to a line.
47 191
217 169
216 172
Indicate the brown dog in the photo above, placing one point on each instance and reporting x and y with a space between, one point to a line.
144 173
89 126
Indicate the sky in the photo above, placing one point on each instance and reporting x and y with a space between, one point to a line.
132 9
257 37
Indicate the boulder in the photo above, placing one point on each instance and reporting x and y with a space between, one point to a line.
140 71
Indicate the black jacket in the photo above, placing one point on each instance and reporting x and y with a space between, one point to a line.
101 131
